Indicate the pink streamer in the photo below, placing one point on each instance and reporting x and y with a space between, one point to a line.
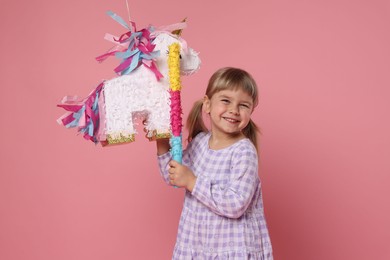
176 112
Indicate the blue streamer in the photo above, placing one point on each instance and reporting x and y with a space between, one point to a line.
133 65
95 107
132 51
176 148
150 56
90 128
118 19
77 115
126 54
134 61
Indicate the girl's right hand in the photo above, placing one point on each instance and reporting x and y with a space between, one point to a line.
181 176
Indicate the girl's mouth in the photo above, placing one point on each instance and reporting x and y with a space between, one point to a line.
231 120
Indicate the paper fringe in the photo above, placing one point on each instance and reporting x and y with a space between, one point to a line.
176 110
83 114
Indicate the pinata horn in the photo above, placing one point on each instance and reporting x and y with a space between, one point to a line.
178 32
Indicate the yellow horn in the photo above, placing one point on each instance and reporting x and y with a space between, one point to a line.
178 32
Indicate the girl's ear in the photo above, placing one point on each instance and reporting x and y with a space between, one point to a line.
206 104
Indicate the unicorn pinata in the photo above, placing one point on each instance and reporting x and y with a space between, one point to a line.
148 87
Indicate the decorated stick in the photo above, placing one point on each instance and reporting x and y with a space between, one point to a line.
176 110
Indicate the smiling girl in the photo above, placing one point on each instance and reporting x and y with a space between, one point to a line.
223 215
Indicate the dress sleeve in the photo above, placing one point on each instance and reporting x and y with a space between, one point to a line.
233 198
163 164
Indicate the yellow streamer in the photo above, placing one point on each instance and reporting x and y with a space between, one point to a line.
174 67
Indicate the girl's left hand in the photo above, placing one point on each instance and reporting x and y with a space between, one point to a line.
181 176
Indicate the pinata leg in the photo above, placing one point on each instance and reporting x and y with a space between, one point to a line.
158 122
119 115
154 135
120 128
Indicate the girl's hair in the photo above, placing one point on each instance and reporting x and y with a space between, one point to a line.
225 79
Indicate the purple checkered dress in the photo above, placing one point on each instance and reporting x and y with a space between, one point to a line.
223 217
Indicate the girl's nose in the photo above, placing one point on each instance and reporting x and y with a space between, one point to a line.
233 110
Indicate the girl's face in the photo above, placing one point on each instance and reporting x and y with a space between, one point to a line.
229 110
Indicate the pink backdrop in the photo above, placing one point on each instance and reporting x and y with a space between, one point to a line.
322 67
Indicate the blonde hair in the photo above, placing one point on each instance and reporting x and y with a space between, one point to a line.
223 79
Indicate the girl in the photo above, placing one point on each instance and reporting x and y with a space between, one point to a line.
223 215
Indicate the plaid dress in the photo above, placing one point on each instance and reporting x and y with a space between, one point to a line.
223 217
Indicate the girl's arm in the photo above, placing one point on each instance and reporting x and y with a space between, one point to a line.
233 198
163 158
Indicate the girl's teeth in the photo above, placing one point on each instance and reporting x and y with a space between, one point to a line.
231 120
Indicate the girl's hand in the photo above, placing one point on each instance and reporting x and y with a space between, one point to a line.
181 176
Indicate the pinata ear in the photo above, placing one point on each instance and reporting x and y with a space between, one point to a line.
178 32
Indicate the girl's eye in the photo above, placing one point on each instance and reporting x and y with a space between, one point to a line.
225 100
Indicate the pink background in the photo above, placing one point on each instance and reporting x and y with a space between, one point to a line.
323 72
